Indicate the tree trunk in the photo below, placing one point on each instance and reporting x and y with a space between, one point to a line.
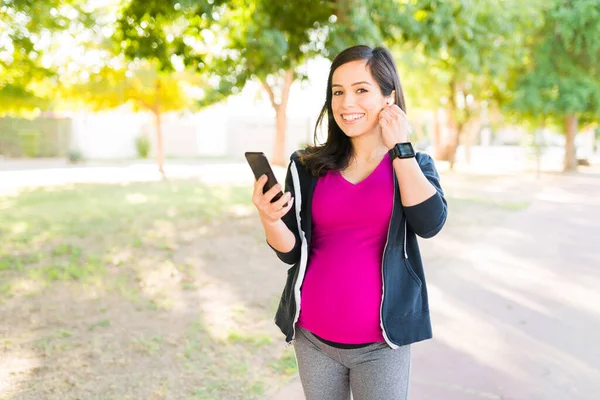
160 159
279 149
472 128
452 126
570 132
436 138
279 157
539 142
454 146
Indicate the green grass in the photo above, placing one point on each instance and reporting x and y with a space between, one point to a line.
94 239
286 365
253 340
231 362
57 341
105 323
257 388
65 233
150 346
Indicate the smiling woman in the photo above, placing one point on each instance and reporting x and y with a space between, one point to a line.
354 208
361 82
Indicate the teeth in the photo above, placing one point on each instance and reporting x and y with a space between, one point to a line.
351 117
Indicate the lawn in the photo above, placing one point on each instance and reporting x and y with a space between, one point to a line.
161 290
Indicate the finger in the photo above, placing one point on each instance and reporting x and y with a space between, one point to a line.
286 209
258 186
389 115
279 204
394 109
268 196
394 112
384 118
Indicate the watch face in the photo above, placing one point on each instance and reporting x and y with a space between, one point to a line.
405 149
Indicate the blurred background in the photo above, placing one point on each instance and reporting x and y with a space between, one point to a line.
132 261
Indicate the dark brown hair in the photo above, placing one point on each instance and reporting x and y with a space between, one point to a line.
335 154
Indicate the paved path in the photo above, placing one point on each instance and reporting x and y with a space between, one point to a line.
516 305
16 175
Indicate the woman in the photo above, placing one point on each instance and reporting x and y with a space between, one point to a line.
355 297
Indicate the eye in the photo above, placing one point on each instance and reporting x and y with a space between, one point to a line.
337 93
362 90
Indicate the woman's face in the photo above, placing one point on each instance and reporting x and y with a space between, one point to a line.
356 99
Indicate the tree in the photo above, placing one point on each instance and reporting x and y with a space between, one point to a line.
466 49
144 87
269 40
110 75
24 76
266 40
560 82
167 32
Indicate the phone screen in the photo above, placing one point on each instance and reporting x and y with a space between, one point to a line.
260 166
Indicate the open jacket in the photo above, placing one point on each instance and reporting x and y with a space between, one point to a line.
404 313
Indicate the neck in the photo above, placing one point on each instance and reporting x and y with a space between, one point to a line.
368 147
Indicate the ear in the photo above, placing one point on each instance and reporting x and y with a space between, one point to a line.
392 99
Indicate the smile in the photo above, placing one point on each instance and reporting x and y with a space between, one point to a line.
352 117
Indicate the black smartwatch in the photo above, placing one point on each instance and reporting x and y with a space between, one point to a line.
402 150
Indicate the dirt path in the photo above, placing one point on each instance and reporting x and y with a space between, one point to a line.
515 297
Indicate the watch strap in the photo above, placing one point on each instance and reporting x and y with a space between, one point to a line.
402 150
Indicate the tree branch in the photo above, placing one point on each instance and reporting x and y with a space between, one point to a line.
271 94
288 79
143 102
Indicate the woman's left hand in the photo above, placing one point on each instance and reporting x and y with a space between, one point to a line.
394 126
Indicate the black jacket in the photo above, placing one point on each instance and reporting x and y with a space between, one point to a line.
404 315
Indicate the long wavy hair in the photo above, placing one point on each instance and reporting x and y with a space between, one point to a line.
336 152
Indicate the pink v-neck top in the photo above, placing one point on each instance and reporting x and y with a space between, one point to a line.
342 289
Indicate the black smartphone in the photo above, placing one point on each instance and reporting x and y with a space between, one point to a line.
260 166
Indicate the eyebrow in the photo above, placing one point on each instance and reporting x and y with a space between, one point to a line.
354 84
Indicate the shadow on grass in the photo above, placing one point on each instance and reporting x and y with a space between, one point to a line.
106 293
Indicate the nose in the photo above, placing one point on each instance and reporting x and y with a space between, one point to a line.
348 100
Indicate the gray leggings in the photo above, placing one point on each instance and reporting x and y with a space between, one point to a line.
374 372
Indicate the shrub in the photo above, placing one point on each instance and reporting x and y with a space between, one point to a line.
75 156
142 144
29 142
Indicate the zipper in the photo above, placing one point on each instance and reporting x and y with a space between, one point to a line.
405 238
303 257
303 250
387 239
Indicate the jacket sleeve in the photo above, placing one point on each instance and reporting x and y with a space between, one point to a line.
426 219
293 256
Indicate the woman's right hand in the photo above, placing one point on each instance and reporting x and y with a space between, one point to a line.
270 212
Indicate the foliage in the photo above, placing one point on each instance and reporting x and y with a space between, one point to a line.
562 76
26 76
141 85
166 32
462 47
258 39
